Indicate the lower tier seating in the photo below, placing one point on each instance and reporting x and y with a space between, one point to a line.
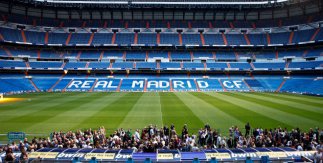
295 84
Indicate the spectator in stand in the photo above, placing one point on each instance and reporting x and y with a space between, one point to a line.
247 127
151 138
184 131
318 155
9 157
24 156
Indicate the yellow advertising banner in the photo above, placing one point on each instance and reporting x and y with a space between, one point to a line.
165 156
218 155
100 156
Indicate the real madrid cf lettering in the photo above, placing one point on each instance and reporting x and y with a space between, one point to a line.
155 84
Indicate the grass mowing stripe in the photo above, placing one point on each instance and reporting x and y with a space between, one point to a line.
314 99
33 100
113 114
42 115
297 102
280 105
146 111
176 112
281 100
237 111
175 108
67 121
206 112
32 107
160 110
269 112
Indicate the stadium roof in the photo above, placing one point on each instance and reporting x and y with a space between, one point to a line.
167 2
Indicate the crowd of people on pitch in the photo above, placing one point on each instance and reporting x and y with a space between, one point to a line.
151 138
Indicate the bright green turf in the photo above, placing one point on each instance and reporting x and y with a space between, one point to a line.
42 113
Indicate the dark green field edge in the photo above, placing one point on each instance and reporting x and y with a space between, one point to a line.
42 114
284 108
293 100
241 113
298 95
35 104
26 102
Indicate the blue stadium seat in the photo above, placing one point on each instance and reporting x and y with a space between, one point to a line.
218 65
191 39
146 65
12 64
165 65
166 38
125 38
102 38
45 64
147 38
270 65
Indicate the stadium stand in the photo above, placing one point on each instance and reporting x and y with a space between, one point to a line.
276 46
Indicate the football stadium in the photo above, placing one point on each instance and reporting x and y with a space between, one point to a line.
161 81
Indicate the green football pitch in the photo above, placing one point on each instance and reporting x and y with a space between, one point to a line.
42 113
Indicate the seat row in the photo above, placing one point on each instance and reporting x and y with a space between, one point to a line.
153 39
162 65
50 22
154 55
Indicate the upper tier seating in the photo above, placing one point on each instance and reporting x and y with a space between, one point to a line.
180 56
191 39
121 38
190 65
80 38
272 65
213 39
147 38
75 65
132 55
90 55
165 65
145 65
240 65
57 38
7 64
99 65
218 65
166 38
35 37
123 65
45 64
100 38
172 55
225 56
124 38
159 54
306 64
236 39
197 55
159 23
114 54
12 64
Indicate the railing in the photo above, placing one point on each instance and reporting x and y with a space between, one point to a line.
168 2
5 140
